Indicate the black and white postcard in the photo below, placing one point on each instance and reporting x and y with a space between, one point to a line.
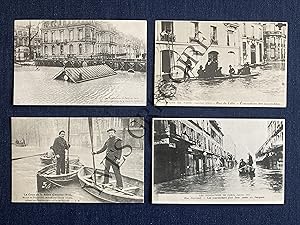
77 160
223 63
218 161
80 62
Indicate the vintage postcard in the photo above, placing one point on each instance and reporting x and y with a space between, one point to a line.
77 160
80 62
223 63
218 161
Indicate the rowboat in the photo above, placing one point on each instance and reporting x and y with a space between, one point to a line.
247 170
47 178
131 193
48 160
220 78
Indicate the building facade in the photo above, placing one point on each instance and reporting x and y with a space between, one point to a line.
275 41
187 147
175 40
85 39
251 43
270 154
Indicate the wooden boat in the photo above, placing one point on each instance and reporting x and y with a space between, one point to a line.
131 193
47 178
48 160
247 170
221 78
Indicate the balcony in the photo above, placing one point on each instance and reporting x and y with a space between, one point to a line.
214 42
169 37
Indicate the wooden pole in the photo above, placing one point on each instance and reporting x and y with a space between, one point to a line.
68 151
90 120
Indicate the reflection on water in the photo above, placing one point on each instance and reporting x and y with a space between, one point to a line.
24 174
267 88
37 87
265 182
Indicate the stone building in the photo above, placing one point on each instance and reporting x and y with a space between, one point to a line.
270 154
187 147
275 41
84 39
251 43
175 40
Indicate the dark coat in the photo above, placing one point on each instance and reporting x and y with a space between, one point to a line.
59 146
113 147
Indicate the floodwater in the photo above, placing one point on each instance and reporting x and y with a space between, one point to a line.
24 188
36 87
268 89
266 183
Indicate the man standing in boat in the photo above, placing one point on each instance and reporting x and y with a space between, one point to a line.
188 68
113 148
59 147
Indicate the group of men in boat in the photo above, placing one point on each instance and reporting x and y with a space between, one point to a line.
113 148
212 69
246 166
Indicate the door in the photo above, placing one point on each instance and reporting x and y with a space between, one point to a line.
253 54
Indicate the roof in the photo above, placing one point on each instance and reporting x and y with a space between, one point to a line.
77 75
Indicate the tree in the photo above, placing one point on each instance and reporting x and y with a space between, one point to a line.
33 31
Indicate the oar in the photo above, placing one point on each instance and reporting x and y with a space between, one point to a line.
92 143
24 157
68 152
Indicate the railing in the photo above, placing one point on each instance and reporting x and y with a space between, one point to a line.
139 65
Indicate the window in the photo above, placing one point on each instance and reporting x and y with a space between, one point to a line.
46 50
71 49
213 35
230 38
45 37
80 49
53 50
252 31
167 27
260 34
244 49
244 30
80 34
61 49
71 35
61 35
52 36
196 27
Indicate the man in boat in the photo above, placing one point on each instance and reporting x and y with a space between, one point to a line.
59 146
250 160
245 70
231 70
242 164
188 67
113 148
200 72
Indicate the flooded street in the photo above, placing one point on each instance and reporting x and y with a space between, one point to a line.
36 87
265 183
266 89
24 174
